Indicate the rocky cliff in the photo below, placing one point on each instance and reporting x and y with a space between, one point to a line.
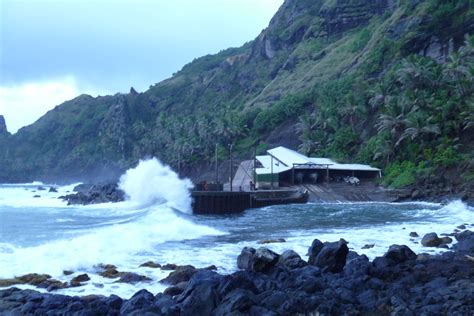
3 126
320 60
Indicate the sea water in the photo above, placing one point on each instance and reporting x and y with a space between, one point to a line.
44 235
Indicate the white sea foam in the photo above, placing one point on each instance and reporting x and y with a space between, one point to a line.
151 182
126 241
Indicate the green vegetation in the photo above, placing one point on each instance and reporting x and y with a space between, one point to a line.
343 78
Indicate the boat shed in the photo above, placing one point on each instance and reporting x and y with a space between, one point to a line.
282 167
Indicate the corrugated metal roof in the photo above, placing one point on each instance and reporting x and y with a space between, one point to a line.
288 156
353 167
266 162
322 161
284 159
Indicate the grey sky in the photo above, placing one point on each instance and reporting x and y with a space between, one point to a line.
106 46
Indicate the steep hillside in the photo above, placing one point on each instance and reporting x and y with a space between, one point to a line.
329 76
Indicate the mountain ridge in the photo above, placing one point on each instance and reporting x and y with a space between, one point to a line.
256 95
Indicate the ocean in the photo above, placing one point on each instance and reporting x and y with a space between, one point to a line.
43 235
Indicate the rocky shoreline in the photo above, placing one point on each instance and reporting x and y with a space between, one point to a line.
334 281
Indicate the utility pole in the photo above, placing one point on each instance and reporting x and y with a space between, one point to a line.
217 168
272 170
231 162
255 166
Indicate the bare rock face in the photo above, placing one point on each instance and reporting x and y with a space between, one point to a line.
3 126
343 15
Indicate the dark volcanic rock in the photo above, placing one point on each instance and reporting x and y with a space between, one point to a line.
181 274
99 193
465 242
77 280
151 264
398 283
291 260
169 266
332 256
431 240
314 250
399 254
130 277
245 259
264 259
258 260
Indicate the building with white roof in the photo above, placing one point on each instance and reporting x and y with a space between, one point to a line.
283 166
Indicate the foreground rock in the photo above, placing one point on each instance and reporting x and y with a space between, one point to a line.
95 194
335 282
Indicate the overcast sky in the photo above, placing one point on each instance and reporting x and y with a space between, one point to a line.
54 50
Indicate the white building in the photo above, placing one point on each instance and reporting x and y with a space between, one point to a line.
283 166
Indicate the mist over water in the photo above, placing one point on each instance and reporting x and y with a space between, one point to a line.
44 235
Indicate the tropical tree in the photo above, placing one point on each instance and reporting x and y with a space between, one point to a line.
395 119
418 127
307 129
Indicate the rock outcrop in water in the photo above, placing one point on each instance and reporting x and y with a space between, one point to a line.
95 194
397 283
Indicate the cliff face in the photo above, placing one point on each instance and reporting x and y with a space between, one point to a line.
3 126
252 95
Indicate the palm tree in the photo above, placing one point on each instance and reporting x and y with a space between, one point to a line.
468 115
418 127
385 150
416 73
395 120
457 71
307 128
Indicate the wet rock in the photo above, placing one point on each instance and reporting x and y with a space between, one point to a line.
181 274
68 272
36 196
132 278
245 259
140 303
446 240
40 189
169 266
98 193
399 254
271 241
465 242
291 260
173 291
53 190
110 274
53 285
237 302
256 260
77 280
151 264
332 256
211 267
200 296
314 250
461 227
264 259
431 240
414 234
368 246
463 235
